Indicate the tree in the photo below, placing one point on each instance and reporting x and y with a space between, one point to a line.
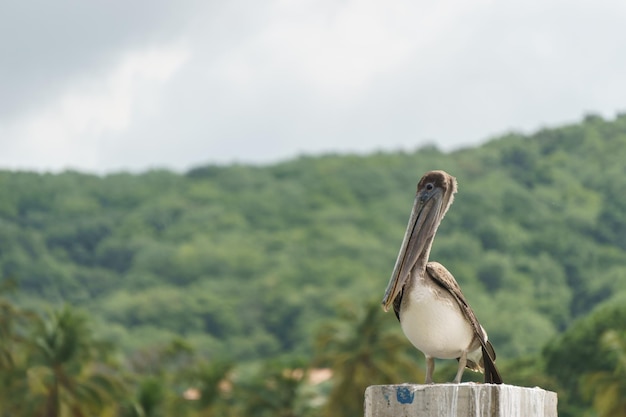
214 387
13 358
607 389
148 400
276 390
67 369
581 350
246 261
364 347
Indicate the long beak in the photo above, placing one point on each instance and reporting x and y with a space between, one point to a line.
421 227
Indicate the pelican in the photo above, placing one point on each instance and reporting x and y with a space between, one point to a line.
427 300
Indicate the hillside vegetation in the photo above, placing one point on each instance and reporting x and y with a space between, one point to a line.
187 274
247 261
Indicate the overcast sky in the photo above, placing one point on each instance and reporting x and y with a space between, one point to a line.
113 85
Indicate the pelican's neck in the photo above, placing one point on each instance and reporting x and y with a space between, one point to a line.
420 266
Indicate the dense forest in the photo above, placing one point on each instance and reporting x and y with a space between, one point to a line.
247 281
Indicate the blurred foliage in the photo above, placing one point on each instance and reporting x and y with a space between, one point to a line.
607 388
587 362
254 264
363 348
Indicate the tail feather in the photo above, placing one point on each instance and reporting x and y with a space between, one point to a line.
483 360
490 350
492 376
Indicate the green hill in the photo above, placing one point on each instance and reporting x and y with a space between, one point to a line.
246 261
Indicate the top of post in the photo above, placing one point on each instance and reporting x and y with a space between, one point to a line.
459 400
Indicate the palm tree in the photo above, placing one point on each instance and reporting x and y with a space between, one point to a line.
276 390
148 400
607 389
69 368
363 348
213 384
160 374
13 386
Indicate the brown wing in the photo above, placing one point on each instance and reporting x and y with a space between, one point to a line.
444 278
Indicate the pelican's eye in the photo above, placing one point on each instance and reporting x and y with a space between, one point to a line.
429 186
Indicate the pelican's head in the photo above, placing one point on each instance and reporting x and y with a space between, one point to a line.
435 193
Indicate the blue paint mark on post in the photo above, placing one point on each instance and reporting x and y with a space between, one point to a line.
405 395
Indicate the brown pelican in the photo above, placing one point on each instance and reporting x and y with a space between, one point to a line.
427 300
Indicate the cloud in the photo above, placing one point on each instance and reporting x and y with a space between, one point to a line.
109 86
339 48
47 45
67 130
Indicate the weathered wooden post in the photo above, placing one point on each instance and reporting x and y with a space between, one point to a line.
458 400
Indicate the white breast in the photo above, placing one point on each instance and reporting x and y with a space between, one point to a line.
434 324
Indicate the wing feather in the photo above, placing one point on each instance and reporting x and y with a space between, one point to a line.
445 280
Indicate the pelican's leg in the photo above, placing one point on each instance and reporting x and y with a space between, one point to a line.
462 363
430 368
